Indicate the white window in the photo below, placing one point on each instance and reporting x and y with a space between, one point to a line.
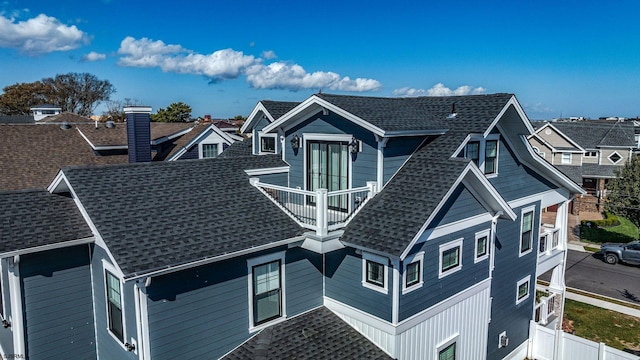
266 290
566 158
523 289
115 314
615 157
591 154
375 272
482 245
209 151
450 258
484 153
448 350
526 230
412 274
267 143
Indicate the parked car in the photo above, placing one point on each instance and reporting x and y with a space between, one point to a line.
628 253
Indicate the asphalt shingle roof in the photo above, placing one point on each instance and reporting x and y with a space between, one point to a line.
422 113
157 215
238 148
577 173
278 108
17 119
591 135
36 218
103 136
408 200
318 334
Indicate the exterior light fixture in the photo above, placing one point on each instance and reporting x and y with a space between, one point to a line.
354 145
295 142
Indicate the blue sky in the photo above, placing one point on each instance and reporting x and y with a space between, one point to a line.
560 58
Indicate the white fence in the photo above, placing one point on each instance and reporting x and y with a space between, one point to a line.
570 347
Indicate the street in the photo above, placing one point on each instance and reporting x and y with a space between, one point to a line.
588 272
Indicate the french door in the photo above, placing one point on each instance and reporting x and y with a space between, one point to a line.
328 168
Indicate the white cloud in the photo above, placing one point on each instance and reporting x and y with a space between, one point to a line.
269 54
280 75
231 64
226 64
94 56
439 90
40 35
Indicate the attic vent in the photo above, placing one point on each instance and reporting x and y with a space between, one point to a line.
65 126
453 112
110 124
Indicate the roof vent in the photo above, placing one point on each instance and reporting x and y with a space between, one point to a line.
110 124
453 112
65 126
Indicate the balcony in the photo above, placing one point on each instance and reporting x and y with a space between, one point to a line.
321 211
547 307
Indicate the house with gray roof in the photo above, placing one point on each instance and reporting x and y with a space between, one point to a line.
368 227
589 152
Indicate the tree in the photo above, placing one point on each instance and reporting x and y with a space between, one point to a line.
623 195
175 112
78 93
115 109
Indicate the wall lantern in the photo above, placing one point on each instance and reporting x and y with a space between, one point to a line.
354 145
295 142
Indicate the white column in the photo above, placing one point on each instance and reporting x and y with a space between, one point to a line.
17 321
382 143
321 212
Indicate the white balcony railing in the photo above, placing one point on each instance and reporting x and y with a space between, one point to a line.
318 210
549 239
545 310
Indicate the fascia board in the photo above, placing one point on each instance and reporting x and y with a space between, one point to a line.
58 245
253 117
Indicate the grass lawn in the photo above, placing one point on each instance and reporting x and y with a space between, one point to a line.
617 330
622 233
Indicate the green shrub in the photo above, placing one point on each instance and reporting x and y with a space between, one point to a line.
609 221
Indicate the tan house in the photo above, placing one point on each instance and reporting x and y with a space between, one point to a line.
589 152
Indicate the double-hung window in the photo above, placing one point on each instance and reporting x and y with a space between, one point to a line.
526 230
114 305
484 153
523 289
450 257
375 272
473 152
490 156
448 350
482 245
209 151
266 289
413 269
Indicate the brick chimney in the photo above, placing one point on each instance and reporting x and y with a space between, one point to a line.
138 133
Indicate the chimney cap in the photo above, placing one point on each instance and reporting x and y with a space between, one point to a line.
137 109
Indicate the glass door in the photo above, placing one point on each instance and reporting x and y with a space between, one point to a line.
328 168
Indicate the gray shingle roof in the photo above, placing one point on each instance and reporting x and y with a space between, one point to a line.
17 119
422 113
238 148
318 334
36 218
408 200
157 215
278 108
591 135
576 173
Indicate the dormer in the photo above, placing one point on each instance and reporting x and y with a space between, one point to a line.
42 111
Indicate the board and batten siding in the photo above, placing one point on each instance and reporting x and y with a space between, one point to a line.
343 283
203 312
466 321
435 289
514 179
509 269
397 151
363 164
57 304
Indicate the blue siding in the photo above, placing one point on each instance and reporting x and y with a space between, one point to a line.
58 311
281 179
108 346
515 180
191 153
460 205
204 312
435 290
509 269
397 152
344 283
138 137
364 163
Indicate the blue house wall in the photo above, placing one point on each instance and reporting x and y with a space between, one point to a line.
58 311
364 163
397 151
203 312
343 282
460 205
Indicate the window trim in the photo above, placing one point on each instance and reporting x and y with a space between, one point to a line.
419 258
261 260
482 152
615 162
108 267
480 234
566 162
448 246
275 143
526 280
368 257
524 211
445 344
201 149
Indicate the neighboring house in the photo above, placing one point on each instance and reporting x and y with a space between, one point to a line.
588 152
31 154
377 228
210 142
44 110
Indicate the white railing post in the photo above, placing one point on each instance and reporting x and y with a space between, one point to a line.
321 212
373 188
